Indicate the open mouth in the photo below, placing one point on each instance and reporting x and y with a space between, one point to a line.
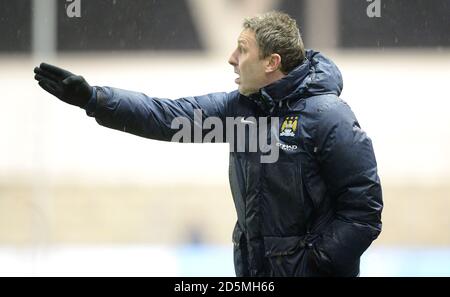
238 79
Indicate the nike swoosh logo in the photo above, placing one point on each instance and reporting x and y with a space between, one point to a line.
247 122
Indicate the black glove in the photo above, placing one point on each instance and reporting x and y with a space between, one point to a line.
68 87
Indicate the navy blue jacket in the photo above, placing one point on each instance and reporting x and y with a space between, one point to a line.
316 209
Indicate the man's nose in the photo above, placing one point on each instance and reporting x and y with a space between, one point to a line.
233 60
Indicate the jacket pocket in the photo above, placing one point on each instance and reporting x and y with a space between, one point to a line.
285 255
240 252
317 263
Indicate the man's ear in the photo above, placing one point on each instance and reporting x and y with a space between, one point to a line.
273 63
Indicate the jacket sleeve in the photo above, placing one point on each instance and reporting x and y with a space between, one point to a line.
150 117
349 169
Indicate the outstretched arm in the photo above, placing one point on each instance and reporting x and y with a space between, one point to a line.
129 111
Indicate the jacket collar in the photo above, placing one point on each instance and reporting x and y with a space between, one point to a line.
269 96
317 75
283 88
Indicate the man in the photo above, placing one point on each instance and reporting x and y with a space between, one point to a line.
316 209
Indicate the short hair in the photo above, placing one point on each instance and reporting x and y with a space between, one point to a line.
277 32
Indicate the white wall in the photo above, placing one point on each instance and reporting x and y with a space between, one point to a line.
400 98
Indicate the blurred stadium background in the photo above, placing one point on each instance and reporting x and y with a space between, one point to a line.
80 199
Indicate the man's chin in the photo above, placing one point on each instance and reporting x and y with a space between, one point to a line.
244 91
